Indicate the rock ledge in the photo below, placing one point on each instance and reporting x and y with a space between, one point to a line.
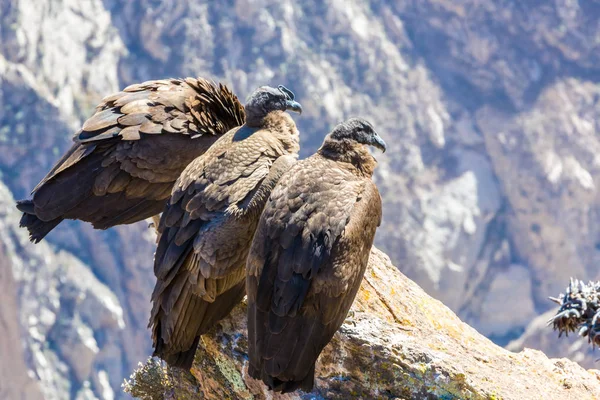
398 343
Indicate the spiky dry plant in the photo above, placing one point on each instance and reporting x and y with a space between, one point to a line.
579 311
150 381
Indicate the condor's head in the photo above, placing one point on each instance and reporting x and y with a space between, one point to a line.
266 100
349 142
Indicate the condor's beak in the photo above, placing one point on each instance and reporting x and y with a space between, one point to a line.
294 106
378 142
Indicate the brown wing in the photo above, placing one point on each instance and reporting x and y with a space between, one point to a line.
192 107
205 233
130 152
304 268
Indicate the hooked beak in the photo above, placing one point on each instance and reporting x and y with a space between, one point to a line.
379 143
294 106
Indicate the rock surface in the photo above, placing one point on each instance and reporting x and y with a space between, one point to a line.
490 109
397 343
63 327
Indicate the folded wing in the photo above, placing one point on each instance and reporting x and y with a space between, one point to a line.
127 156
304 268
205 234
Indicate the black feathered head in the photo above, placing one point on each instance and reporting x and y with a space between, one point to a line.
266 99
358 130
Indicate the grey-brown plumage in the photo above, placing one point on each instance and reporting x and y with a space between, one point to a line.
127 156
309 255
207 227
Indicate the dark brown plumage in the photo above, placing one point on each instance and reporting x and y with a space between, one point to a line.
128 155
207 227
309 255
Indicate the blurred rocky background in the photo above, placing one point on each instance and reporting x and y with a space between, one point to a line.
490 182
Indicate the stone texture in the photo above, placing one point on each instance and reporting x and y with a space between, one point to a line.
397 343
68 322
509 290
548 160
16 382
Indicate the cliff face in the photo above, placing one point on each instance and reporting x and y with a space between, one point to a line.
489 185
70 325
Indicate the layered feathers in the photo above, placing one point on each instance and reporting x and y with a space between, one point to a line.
206 231
307 260
127 156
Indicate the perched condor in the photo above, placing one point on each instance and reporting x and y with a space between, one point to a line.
309 255
128 155
207 227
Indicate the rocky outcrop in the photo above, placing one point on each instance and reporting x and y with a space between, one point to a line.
397 342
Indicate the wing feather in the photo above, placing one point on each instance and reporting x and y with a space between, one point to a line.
128 150
206 231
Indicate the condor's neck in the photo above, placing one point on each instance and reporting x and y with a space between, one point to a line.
357 155
282 126
273 120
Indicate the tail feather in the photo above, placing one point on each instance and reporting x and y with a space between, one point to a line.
183 359
277 385
26 206
37 228
210 314
141 209
222 306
